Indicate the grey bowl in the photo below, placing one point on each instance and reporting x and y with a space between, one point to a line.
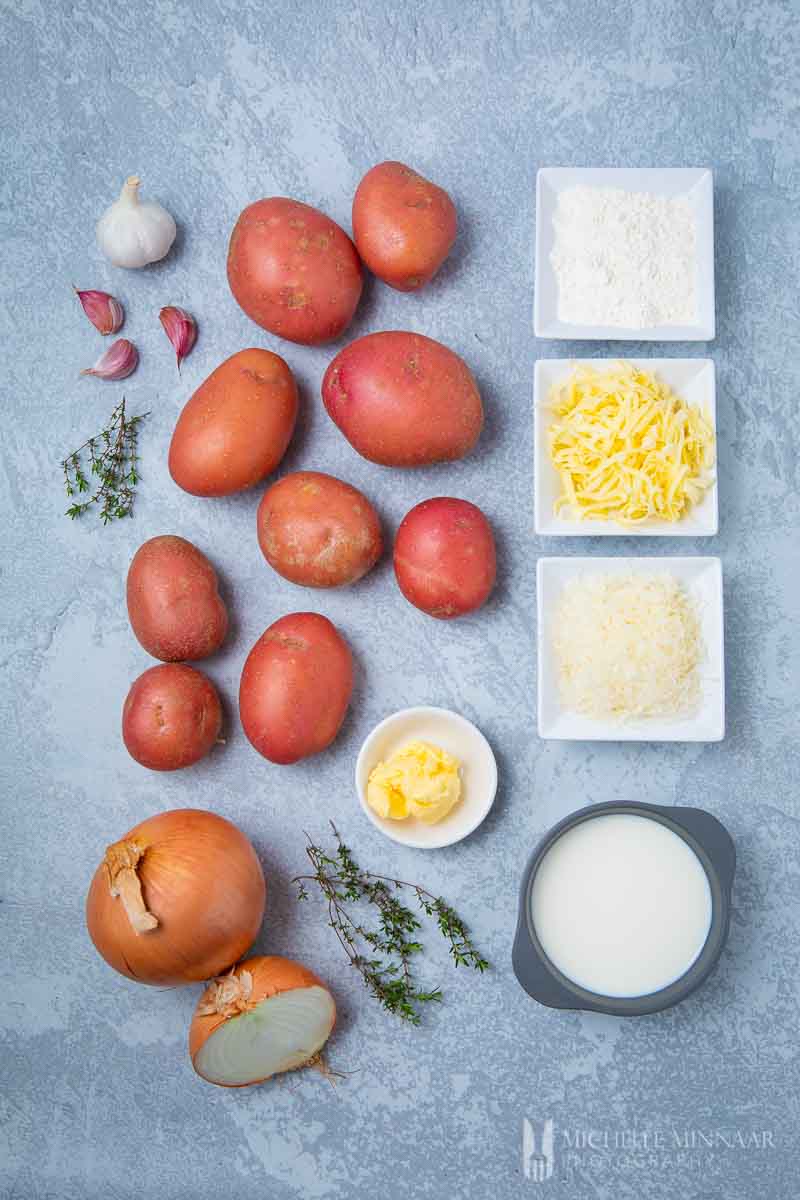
713 846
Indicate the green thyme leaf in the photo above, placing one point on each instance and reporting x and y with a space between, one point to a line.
110 459
388 976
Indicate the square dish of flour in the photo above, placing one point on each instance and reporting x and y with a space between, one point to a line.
624 254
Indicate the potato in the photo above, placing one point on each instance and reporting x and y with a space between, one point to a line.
294 271
317 531
403 400
403 225
295 687
235 429
172 717
444 557
174 607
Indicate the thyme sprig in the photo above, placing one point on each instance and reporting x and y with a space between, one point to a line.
383 953
111 475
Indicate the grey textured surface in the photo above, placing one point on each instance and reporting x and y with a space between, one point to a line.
216 104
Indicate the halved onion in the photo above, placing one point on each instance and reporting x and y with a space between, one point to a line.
178 899
269 1015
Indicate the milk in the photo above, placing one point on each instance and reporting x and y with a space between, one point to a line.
621 905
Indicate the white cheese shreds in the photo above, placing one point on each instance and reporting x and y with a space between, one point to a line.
628 646
624 258
626 448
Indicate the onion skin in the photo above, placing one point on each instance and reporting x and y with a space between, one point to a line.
271 975
201 879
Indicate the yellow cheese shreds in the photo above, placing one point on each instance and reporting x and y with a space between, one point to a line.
627 646
626 448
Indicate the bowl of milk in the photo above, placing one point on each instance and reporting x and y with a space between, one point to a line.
624 908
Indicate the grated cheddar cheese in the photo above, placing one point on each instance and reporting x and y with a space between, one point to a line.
626 448
627 646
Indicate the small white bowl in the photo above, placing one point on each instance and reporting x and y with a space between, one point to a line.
458 737
693 379
702 579
696 183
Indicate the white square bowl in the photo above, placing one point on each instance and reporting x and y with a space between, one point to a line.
702 579
696 183
693 379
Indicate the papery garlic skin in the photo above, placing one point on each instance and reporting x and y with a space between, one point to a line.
181 329
118 362
103 310
133 232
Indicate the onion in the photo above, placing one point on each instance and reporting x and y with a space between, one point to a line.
177 900
269 1015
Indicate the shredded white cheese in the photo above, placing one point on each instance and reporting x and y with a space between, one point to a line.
628 646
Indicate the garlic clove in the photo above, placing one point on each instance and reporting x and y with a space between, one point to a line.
133 232
181 329
103 310
118 362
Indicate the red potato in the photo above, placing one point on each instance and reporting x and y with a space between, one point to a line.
404 226
236 427
295 687
294 271
171 718
403 400
444 557
174 606
317 531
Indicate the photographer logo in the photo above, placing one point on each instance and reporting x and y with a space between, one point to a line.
537 1150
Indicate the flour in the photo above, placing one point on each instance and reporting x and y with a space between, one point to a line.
624 258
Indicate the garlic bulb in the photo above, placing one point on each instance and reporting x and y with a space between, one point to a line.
132 232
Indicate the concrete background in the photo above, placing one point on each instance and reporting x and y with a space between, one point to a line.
217 103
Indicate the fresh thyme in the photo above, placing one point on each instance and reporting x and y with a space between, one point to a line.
111 475
383 954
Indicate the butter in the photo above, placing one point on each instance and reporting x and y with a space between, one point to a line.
420 780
